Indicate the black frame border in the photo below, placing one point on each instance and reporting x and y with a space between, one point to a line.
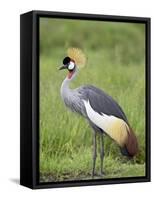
29 172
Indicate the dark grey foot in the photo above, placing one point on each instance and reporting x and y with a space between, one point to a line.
93 174
102 173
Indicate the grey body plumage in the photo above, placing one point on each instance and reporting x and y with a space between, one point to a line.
99 100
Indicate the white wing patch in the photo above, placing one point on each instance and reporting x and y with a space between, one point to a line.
115 127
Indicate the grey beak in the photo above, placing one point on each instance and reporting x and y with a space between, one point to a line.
63 67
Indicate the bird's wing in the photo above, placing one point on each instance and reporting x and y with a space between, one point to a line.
101 102
116 128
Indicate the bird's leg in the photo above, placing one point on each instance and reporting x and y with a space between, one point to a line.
102 153
94 153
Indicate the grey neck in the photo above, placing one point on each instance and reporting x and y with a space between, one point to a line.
65 89
65 85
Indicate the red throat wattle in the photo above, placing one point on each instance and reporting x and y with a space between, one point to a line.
70 74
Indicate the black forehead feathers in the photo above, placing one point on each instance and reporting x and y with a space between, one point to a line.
66 60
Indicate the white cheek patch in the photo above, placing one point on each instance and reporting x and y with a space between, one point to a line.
71 66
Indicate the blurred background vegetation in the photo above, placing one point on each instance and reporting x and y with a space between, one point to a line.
116 64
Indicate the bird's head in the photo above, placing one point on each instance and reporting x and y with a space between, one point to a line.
75 59
70 65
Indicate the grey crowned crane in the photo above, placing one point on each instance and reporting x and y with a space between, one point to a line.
102 112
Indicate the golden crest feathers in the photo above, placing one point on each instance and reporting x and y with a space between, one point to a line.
78 56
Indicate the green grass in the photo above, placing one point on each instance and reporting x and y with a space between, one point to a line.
115 64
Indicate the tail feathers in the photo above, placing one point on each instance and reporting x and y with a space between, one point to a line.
131 145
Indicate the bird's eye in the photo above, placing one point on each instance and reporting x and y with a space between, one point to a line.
71 66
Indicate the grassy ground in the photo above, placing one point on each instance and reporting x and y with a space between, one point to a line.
115 64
